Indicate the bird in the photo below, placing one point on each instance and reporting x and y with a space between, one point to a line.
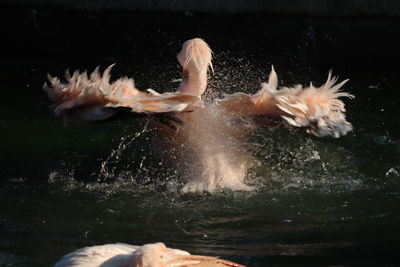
148 255
207 134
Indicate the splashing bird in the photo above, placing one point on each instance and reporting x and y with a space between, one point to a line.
208 135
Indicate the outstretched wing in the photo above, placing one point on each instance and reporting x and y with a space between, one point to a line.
319 109
94 98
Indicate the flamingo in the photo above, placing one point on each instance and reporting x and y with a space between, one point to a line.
149 255
208 135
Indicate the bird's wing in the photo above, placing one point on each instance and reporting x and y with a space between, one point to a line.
319 109
94 98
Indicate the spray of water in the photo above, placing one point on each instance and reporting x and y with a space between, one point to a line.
107 170
209 152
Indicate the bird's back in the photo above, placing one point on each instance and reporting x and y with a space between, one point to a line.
104 255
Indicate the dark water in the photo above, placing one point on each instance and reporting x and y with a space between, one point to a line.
318 202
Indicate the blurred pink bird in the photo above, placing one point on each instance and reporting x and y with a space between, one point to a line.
209 137
149 255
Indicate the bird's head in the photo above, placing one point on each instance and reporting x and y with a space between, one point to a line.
158 255
195 56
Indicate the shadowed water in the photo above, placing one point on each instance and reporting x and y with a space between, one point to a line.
317 201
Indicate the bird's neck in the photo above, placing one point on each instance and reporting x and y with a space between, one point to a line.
193 83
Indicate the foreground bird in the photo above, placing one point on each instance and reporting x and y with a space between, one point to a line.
149 255
206 137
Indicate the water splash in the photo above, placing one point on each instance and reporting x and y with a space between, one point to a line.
105 171
284 160
234 74
289 161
